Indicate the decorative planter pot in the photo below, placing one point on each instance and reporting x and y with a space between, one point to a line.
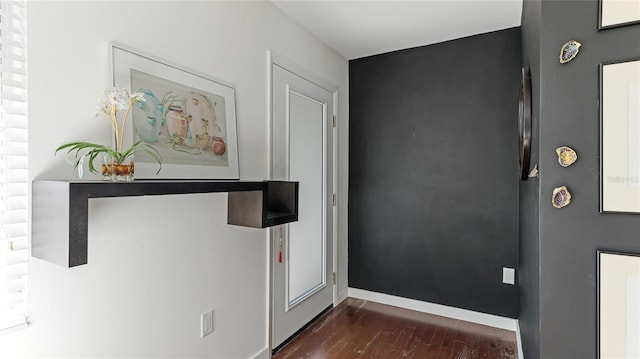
117 172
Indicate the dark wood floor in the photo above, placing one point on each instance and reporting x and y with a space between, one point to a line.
361 329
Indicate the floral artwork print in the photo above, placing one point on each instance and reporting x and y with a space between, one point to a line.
186 125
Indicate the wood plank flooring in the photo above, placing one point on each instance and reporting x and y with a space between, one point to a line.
361 329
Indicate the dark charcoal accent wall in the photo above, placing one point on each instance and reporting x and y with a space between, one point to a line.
569 237
529 277
433 173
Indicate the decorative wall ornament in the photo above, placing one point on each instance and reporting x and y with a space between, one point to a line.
561 197
566 156
569 51
524 122
534 172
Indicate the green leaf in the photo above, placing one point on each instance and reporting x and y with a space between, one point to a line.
93 150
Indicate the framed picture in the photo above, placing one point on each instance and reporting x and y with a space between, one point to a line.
616 13
618 305
188 117
620 137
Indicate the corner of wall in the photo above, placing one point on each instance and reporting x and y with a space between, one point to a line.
342 295
264 354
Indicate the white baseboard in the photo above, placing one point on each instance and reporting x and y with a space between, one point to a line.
263 354
437 309
442 310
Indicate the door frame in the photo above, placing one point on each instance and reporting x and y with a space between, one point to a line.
276 59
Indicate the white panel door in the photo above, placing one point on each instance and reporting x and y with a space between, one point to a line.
302 254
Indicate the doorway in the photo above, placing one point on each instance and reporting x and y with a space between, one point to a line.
302 149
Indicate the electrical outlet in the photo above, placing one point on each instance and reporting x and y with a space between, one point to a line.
508 275
206 323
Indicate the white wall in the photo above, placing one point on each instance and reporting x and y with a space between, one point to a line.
155 263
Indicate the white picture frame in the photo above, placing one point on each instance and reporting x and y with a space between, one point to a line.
188 117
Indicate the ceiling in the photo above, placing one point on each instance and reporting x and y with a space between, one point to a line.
363 28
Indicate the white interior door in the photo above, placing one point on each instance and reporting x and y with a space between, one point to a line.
302 251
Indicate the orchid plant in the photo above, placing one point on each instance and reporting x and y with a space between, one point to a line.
110 106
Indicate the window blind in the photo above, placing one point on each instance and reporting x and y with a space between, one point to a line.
14 243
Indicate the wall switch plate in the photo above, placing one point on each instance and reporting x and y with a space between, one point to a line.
206 323
508 275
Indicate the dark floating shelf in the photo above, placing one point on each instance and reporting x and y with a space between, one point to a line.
60 209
